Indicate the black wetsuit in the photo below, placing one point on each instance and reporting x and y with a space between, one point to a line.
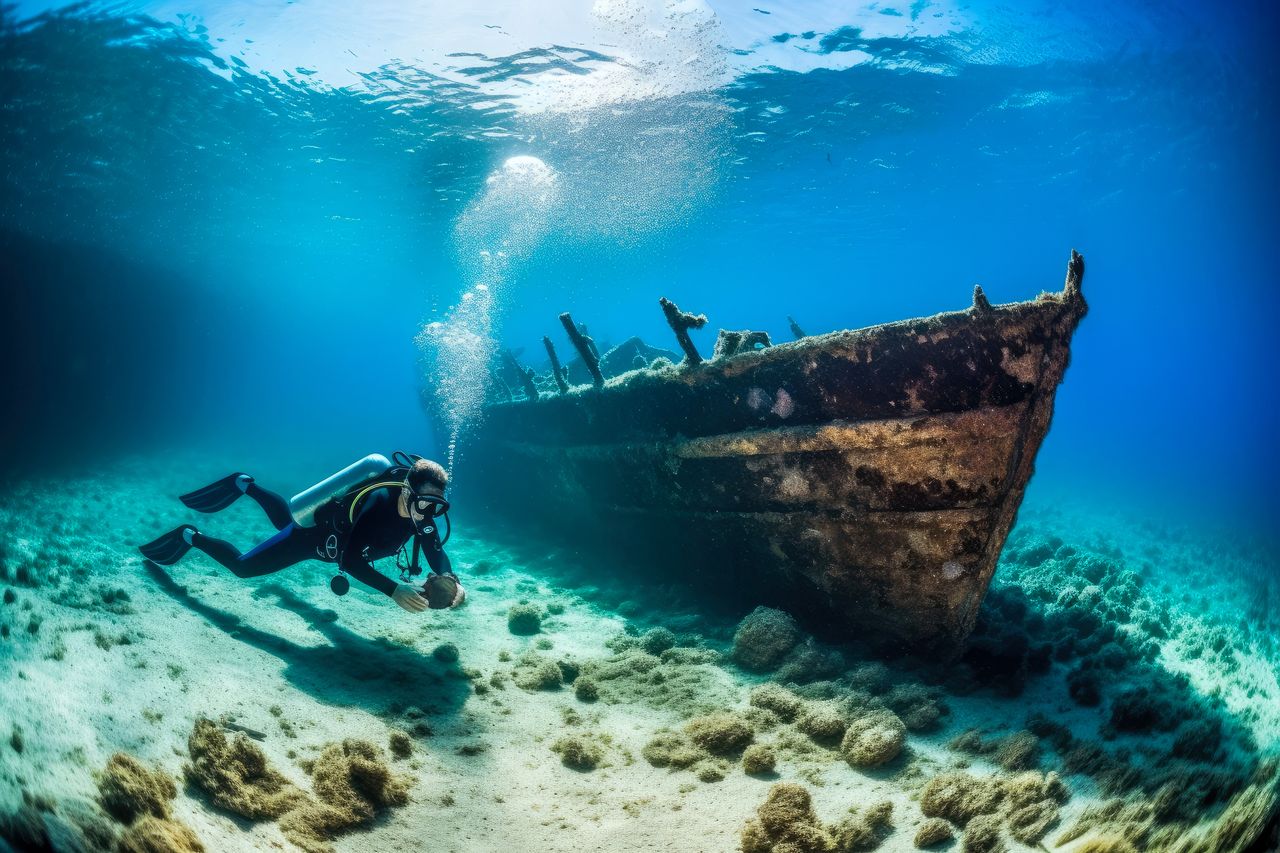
379 531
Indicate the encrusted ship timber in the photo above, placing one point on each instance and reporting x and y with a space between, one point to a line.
868 475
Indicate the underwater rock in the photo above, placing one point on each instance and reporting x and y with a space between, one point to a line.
234 773
586 689
917 706
655 641
778 699
873 739
810 661
720 733
960 797
672 749
128 789
152 834
763 639
758 759
400 743
932 832
579 752
866 831
785 823
534 672
822 721
982 835
524 619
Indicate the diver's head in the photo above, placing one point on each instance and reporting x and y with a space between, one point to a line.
422 496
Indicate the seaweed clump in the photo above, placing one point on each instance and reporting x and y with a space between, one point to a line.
139 797
579 752
786 823
1028 804
151 834
235 774
128 789
764 638
353 784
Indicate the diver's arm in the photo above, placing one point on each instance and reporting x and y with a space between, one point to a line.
436 557
354 564
353 561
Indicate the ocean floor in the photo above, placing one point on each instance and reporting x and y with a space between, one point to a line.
1120 694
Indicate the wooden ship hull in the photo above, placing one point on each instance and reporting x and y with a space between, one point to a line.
867 479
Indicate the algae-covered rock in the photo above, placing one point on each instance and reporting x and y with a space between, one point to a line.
764 638
534 672
524 619
778 699
235 774
932 832
786 823
822 721
917 706
759 759
400 743
672 749
152 834
720 733
873 739
982 835
586 689
960 797
865 831
657 640
579 752
128 789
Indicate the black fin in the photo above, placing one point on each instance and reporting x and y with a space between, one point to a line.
169 548
215 496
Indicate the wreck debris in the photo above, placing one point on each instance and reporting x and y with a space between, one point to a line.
795 328
524 373
585 346
557 372
500 385
681 322
981 305
730 343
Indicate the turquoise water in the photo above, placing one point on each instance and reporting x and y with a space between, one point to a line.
251 235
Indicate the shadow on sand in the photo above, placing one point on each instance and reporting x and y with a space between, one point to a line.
373 674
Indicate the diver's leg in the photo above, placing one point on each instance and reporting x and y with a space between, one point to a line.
276 507
290 545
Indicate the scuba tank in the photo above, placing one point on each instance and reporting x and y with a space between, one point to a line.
304 504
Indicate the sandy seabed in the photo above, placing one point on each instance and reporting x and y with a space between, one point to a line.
1120 694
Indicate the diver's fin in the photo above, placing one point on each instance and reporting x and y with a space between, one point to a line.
169 548
216 496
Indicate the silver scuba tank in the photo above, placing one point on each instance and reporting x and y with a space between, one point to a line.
304 504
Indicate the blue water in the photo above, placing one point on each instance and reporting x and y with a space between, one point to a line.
225 224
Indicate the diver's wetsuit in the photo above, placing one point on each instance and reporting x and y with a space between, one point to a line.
379 531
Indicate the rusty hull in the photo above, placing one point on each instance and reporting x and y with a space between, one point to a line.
870 477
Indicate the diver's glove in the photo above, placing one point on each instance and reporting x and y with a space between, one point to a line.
407 597
443 591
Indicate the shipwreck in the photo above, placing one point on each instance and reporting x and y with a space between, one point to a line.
869 477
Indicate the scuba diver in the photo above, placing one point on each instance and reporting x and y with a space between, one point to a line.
369 510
